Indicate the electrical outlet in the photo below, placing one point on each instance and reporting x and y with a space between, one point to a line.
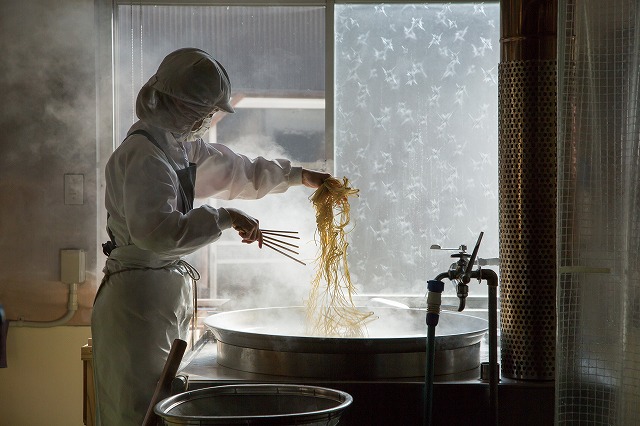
73 189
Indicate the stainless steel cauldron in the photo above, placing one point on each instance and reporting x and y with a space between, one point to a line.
274 341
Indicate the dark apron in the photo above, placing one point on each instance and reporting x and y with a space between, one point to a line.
186 177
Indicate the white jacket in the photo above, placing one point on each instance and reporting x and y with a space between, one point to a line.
146 299
142 195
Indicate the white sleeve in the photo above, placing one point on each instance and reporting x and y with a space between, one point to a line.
150 192
224 174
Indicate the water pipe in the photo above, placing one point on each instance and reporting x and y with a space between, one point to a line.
72 272
435 288
72 307
462 272
491 278
434 301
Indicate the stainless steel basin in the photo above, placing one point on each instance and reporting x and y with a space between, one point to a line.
255 404
275 341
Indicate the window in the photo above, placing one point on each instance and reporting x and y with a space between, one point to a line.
410 118
416 129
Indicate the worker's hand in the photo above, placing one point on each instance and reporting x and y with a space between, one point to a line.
248 228
312 178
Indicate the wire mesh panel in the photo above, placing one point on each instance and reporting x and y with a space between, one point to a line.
598 343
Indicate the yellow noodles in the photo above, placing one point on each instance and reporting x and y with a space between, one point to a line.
330 309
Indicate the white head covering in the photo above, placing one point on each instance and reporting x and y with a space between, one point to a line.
188 85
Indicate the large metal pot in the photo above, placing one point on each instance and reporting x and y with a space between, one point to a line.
275 341
257 404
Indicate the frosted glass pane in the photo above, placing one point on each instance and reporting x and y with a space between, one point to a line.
416 131
267 51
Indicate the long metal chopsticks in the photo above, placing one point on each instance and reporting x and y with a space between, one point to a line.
270 239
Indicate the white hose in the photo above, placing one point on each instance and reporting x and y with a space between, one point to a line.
72 307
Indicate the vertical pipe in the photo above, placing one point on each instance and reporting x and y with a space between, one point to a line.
527 184
494 377
434 302
329 114
429 374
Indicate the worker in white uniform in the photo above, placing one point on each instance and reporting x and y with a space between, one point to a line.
145 300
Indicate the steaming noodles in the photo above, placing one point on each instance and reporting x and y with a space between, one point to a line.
330 308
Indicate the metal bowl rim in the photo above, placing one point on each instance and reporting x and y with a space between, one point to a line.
344 399
209 322
352 345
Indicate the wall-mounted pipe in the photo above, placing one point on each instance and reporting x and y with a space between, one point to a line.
527 186
72 307
72 272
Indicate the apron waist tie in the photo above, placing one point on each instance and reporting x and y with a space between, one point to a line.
195 276
183 265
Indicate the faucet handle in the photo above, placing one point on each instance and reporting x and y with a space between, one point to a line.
472 260
462 248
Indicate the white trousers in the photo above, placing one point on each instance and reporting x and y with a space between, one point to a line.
135 319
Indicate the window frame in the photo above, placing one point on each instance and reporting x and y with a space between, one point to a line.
106 78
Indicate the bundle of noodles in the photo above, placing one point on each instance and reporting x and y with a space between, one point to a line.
330 308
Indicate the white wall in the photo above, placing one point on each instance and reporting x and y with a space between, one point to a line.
47 129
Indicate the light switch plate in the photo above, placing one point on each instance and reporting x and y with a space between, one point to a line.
73 189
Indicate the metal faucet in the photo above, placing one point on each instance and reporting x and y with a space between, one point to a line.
461 272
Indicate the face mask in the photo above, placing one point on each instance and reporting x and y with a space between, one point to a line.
205 124
200 132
